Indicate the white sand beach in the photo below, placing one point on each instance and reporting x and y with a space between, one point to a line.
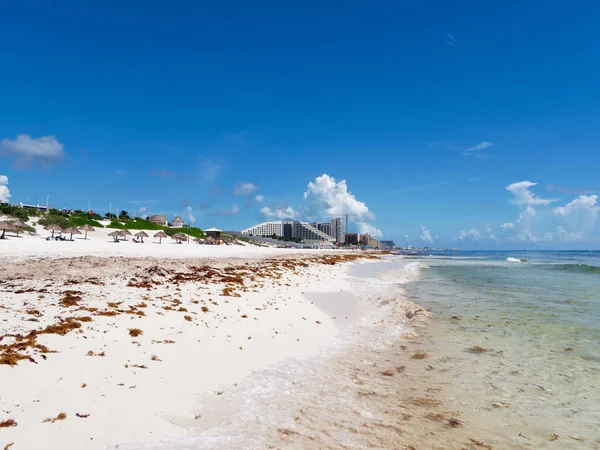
120 338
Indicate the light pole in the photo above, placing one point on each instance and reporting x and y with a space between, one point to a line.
109 210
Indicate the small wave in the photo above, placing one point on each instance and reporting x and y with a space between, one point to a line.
585 268
511 259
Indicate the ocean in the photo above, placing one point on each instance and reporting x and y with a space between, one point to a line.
524 327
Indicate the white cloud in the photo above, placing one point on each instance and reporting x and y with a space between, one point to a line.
26 149
425 235
333 198
507 226
244 188
282 212
524 196
480 146
259 198
364 227
4 191
564 235
581 213
490 233
190 217
473 234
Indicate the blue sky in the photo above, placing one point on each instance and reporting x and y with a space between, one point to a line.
427 110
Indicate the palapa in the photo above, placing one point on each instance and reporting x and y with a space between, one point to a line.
180 237
115 234
160 235
53 227
87 228
6 226
72 231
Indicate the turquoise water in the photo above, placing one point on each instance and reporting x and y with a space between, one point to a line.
537 314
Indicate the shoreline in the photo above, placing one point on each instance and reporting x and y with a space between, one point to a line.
328 355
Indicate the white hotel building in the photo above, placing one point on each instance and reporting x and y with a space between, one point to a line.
289 228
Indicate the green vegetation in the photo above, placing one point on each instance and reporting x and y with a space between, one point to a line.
57 212
80 221
16 212
193 232
115 224
53 219
141 224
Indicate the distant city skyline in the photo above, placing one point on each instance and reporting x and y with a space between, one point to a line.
472 127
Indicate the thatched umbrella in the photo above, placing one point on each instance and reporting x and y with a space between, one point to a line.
160 235
141 234
87 228
17 224
211 240
72 231
180 237
126 233
53 228
115 234
6 226
199 241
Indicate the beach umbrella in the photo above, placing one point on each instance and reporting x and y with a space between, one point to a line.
53 228
141 234
211 240
126 233
116 234
180 237
17 224
6 226
72 231
199 241
160 235
87 228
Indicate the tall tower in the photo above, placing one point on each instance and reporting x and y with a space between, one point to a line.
338 230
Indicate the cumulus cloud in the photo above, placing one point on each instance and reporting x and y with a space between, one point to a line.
473 234
279 213
244 188
581 213
324 193
425 235
259 198
566 236
190 217
27 150
142 211
490 233
367 228
4 191
480 146
523 195
507 226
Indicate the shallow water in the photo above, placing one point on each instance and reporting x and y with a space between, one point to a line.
538 323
